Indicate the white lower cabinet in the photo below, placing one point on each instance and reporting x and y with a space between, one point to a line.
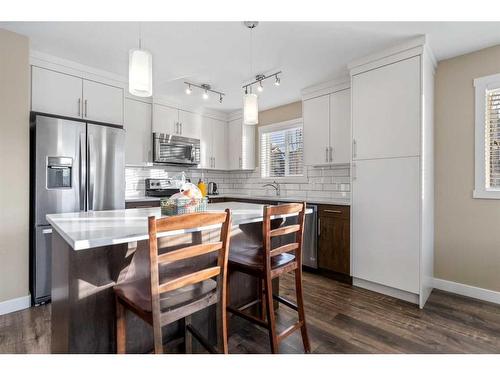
138 136
385 226
241 145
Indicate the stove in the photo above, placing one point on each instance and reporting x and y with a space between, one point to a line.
160 187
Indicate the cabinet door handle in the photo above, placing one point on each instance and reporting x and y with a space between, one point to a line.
79 106
331 154
326 154
241 163
354 148
85 108
333 211
353 171
319 226
181 127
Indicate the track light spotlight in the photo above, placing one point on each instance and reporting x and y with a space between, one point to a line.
278 81
189 90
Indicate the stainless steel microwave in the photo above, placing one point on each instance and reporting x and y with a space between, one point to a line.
172 149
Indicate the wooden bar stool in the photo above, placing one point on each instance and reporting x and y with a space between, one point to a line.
267 264
161 300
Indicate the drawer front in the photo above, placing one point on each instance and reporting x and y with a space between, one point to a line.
143 204
334 211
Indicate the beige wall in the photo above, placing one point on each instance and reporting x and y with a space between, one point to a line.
14 165
467 230
285 112
282 113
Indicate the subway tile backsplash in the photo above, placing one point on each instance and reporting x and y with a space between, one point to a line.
320 182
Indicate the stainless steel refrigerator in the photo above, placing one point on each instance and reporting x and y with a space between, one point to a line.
75 166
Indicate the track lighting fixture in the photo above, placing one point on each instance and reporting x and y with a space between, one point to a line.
206 89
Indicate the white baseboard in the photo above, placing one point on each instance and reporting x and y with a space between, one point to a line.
15 304
382 289
467 290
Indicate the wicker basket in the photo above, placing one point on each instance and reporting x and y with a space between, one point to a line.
181 206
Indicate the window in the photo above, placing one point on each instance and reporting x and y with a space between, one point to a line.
487 134
281 150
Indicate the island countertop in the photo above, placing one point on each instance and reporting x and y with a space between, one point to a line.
86 230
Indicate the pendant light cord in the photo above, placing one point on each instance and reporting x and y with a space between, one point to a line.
140 35
251 55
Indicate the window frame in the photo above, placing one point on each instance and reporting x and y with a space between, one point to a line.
482 84
283 125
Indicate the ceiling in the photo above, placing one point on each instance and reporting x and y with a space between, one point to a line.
218 52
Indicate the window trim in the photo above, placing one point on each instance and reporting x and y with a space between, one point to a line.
288 124
481 85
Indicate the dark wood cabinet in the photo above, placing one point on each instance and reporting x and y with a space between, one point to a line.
334 253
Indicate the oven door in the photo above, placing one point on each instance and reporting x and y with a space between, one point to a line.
176 150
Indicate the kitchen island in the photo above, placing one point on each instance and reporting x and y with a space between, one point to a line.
92 251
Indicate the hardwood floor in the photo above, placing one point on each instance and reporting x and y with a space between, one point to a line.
340 319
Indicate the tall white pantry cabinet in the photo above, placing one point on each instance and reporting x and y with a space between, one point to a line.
392 172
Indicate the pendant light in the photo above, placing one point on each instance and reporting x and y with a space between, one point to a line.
140 71
250 100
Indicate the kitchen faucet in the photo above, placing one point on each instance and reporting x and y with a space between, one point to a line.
276 186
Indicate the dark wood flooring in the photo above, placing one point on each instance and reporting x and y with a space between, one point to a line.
340 318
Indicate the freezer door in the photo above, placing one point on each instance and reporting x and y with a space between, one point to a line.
106 168
60 170
43 264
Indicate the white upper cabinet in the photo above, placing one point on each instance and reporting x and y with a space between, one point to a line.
206 143
327 128
219 144
165 119
316 117
213 144
55 93
138 138
66 95
241 145
189 124
102 103
234 144
386 111
340 127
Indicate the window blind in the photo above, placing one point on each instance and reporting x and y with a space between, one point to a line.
492 141
281 152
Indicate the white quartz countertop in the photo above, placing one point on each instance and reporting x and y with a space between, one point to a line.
85 230
338 202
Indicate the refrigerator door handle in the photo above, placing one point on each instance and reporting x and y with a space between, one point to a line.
91 168
83 171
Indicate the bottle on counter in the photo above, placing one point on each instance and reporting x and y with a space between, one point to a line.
203 187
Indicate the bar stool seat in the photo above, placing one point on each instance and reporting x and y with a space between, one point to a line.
138 294
250 257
